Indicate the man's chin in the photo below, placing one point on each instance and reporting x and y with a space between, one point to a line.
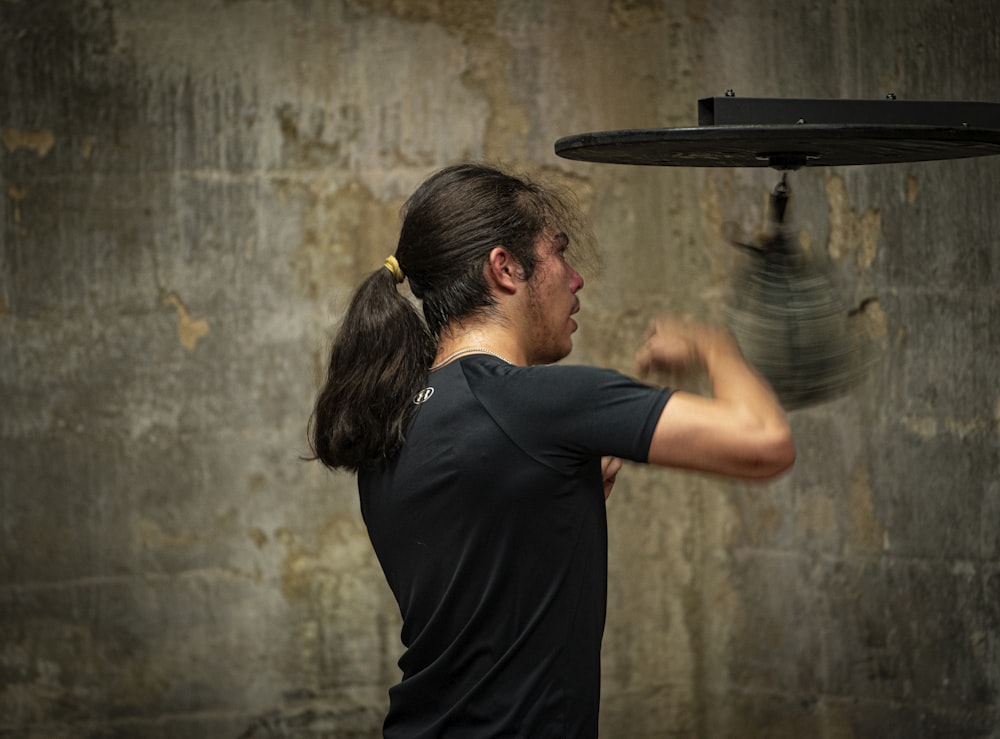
564 352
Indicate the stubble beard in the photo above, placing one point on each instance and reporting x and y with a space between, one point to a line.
546 348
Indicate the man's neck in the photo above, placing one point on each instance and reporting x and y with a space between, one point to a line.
493 337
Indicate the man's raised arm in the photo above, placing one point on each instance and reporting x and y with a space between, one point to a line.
740 431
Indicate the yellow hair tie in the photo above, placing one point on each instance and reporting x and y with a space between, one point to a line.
393 266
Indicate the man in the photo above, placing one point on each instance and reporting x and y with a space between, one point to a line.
483 468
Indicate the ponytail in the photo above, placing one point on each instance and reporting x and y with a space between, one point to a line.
378 363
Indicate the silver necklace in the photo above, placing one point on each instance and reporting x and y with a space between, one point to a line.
469 350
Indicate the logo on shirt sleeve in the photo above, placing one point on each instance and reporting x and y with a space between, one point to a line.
424 395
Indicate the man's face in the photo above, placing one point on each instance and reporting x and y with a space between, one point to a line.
552 300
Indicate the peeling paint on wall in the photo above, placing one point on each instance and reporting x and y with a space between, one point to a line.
849 231
912 187
317 137
17 194
487 62
259 537
327 580
872 320
635 13
345 233
711 225
154 538
342 550
817 517
508 122
866 533
41 142
963 428
189 329
923 426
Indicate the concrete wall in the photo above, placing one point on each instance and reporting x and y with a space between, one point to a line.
191 189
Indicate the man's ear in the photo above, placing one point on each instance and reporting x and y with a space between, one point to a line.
502 271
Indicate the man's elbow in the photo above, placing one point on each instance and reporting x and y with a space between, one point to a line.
775 455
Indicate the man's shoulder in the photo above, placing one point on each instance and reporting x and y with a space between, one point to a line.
550 382
577 373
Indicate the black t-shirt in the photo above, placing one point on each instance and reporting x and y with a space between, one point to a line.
490 527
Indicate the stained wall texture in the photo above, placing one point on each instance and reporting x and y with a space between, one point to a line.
189 191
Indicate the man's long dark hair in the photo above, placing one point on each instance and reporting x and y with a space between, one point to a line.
381 355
